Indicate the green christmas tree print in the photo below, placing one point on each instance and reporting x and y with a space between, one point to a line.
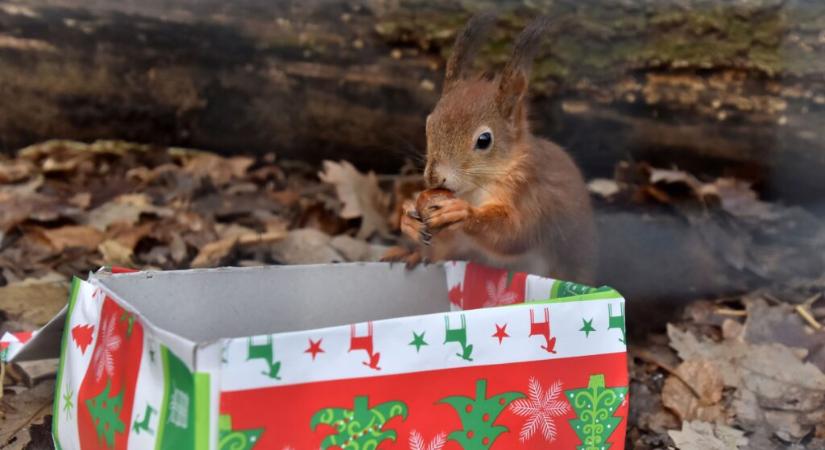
478 416
594 407
105 411
360 427
229 439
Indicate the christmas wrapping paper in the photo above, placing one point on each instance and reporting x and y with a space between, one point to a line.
500 360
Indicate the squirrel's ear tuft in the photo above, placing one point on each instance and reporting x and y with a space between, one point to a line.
465 48
514 79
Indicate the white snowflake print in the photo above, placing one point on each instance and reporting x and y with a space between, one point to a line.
417 441
109 342
540 408
497 293
179 409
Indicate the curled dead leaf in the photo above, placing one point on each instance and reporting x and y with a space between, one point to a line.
361 197
706 381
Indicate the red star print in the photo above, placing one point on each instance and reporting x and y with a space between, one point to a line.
501 333
314 348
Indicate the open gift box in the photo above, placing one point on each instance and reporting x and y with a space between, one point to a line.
351 356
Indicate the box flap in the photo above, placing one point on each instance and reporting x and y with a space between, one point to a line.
203 305
42 344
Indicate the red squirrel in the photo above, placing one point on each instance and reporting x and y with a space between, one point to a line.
504 197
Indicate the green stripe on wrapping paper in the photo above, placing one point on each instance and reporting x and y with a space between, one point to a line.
177 413
612 294
605 295
563 290
202 407
63 343
164 357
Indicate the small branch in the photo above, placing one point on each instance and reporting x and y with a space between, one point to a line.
731 312
804 310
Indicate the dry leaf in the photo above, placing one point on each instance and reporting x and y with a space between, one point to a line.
357 250
360 195
737 197
706 380
115 253
232 230
772 370
221 170
767 378
81 200
15 170
34 301
129 235
126 208
211 254
704 436
306 246
73 236
177 248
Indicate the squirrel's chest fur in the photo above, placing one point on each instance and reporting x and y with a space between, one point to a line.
555 230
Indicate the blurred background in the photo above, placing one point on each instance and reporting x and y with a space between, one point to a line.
699 125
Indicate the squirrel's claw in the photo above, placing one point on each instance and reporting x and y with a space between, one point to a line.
410 258
448 212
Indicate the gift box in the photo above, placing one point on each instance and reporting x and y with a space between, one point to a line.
349 356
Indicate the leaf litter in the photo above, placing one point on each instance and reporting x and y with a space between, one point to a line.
744 371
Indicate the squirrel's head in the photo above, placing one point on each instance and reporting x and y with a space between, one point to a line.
474 132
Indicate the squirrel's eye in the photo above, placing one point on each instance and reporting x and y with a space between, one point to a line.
484 141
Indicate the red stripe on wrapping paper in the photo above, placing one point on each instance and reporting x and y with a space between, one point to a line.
486 286
284 413
126 362
118 269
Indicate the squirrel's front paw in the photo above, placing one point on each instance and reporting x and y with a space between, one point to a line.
412 226
446 212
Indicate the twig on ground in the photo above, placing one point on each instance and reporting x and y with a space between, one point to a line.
804 310
731 312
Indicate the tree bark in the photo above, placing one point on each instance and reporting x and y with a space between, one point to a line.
711 86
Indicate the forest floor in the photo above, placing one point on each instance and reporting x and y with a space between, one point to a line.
738 371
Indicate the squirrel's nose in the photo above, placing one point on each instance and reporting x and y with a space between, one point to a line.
435 177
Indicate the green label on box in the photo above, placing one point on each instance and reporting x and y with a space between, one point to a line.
177 421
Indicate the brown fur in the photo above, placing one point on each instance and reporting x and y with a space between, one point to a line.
522 204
